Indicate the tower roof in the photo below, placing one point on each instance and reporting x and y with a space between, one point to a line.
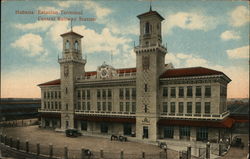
71 33
149 13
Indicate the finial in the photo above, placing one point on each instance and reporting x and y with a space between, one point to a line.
71 25
150 9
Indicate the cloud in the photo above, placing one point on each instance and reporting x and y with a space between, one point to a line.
66 4
239 16
99 10
39 25
105 41
190 21
239 53
229 35
32 44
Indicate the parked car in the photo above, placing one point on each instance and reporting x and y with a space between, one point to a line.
236 142
72 133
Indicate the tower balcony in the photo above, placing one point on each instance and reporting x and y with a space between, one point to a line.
72 59
152 47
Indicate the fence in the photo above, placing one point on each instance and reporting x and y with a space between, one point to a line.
30 150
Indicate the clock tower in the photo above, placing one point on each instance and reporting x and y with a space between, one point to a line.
71 66
150 64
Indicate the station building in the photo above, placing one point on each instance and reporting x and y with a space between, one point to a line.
153 101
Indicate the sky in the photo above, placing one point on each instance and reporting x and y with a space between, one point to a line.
212 34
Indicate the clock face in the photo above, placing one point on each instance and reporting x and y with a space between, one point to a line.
104 73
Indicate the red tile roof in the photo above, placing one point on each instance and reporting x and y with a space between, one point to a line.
54 82
181 72
71 32
192 71
150 13
226 123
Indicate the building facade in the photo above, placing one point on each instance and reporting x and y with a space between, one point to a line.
149 102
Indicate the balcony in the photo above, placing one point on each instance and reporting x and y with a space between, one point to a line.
106 113
195 116
49 111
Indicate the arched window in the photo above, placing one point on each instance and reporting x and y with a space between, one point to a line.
147 28
76 45
67 45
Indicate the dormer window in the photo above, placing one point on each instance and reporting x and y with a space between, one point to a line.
76 45
67 45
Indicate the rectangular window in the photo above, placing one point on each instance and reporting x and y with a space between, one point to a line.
104 94
121 106
48 94
88 106
60 105
189 91
198 91
44 105
185 132
181 107
127 93
165 107
84 125
181 92
207 107
52 105
78 94
109 106
127 106
145 87
133 93
83 94
198 107
59 94
172 107
208 91
133 107
121 93
44 94
98 106
189 107
202 134
56 106
98 94
168 132
88 94
48 105
173 92
55 94
52 95
78 106
165 92
104 106
109 93
83 106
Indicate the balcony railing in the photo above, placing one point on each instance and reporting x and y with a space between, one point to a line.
106 113
195 116
49 111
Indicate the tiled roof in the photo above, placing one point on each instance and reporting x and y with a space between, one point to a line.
54 82
71 32
150 13
181 72
192 71
226 123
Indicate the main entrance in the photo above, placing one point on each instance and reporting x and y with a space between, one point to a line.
127 129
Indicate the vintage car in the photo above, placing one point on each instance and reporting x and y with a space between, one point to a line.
72 133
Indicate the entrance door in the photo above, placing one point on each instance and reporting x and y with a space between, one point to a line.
145 132
127 129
